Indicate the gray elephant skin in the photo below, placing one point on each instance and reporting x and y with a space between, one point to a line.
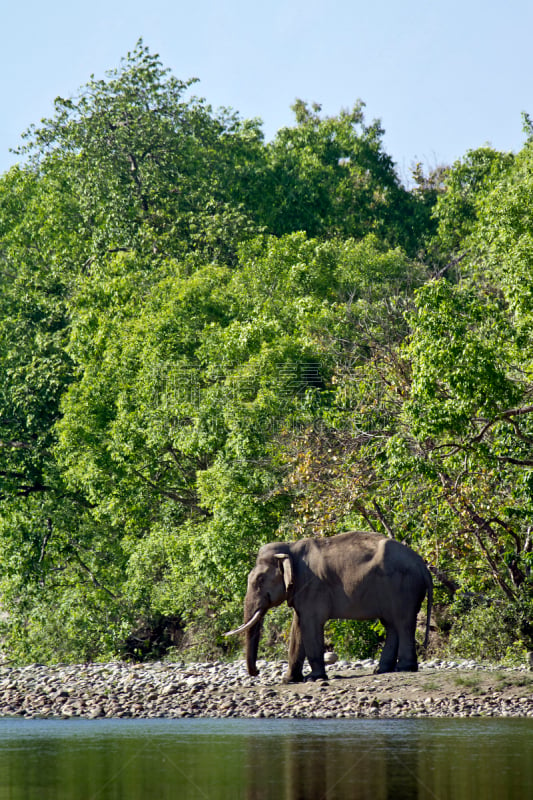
356 575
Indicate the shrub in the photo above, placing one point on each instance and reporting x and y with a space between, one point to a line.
354 639
488 630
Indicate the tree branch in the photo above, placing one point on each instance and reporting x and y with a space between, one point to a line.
453 263
93 576
383 520
481 525
447 582
505 415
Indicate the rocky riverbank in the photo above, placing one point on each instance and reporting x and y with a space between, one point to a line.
440 689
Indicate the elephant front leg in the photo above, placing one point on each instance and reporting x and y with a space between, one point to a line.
296 653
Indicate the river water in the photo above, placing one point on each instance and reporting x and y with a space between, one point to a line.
200 759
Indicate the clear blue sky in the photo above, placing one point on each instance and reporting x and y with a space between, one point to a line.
443 76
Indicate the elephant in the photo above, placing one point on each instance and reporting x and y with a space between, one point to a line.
354 575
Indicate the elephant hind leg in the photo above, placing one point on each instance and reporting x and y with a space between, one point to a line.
389 654
407 660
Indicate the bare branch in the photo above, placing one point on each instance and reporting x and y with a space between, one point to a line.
383 520
93 576
505 415
453 263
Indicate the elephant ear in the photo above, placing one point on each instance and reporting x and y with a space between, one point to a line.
285 565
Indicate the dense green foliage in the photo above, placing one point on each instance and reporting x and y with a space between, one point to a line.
208 342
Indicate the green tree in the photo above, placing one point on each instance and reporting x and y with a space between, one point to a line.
208 342
330 176
468 412
460 203
127 169
147 168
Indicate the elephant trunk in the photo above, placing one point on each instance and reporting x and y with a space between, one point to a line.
253 635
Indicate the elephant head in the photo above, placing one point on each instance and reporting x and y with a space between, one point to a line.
270 583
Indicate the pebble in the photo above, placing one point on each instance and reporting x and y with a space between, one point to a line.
217 689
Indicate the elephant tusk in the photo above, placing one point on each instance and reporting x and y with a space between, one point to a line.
246 625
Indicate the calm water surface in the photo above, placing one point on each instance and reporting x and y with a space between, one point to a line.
462 759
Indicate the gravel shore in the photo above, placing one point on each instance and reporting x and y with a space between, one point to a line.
172 690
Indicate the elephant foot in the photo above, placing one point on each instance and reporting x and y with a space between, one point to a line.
289 678
406 668
320 677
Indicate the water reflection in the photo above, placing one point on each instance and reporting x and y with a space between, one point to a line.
373 764
263 759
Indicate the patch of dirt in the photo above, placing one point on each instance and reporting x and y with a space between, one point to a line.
439 684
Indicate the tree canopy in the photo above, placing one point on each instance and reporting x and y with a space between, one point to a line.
209 341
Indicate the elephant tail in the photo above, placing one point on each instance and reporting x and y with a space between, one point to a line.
429 588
